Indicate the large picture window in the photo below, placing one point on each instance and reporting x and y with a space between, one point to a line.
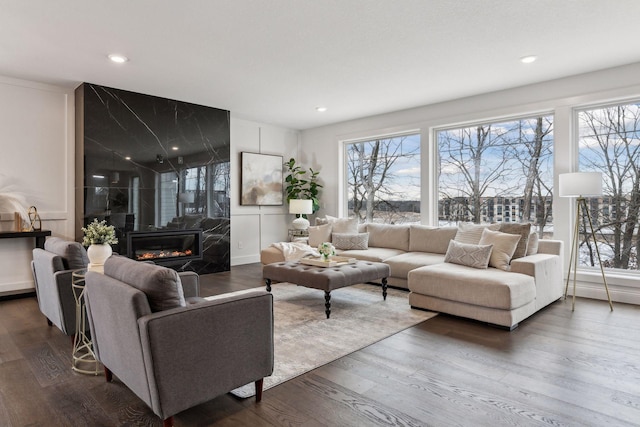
383 179
497 172
609 142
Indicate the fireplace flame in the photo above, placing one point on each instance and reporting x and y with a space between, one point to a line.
163 254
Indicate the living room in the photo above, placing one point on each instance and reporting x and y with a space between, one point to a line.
40 160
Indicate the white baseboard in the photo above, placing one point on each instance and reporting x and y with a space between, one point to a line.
597 291
16 288
247 259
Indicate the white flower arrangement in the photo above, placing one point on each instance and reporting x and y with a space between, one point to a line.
98 233
326 249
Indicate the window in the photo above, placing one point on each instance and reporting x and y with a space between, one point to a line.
383 179
497 172
609 142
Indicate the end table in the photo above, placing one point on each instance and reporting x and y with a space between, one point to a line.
83 359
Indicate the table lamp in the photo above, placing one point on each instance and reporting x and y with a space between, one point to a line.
581 185
300 207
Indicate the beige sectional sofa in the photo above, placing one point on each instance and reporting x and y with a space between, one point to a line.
416 255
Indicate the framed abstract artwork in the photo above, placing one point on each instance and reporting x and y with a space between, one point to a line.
261 180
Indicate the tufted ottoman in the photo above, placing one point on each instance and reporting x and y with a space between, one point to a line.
326 278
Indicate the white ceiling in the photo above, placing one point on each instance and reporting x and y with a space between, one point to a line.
274 61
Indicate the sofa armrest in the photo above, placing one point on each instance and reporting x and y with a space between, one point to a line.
546 269
190 283
553 247
195 353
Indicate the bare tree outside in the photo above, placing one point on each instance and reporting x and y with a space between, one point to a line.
497 172
609 142
383 177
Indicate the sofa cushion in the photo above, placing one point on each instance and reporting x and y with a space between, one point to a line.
476 256
471 233
402 264
388 236
350 240
161 285
522 230
372 254
504 245
73 254
343 225
532 245
319 234
430 239
488 288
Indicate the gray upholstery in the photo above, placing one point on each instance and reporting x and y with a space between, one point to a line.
181 357
52 268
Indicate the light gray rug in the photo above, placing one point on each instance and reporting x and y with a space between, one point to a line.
305 339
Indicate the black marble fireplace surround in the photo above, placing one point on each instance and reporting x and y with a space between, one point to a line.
154 165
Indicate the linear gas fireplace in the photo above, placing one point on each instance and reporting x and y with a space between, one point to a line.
165 246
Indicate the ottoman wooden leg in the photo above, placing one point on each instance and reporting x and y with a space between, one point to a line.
327 303
268 282
384 288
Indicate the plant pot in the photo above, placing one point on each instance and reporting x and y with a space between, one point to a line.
98 254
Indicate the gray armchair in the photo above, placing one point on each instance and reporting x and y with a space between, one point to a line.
171 352
52 267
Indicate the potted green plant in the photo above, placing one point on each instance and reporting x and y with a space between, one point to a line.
99 237
302 184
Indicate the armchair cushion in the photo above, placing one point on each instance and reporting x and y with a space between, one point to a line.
162 286
74 255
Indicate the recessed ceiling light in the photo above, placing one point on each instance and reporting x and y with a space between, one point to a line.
174 148
118 58
127 158
528 59
321 109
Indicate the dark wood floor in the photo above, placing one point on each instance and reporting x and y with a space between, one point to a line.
558 368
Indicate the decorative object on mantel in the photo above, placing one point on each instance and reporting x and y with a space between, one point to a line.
301 186
13 201
99 237
581 185
35 224
326 249
300 207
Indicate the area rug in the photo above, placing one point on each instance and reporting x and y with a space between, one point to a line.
305 339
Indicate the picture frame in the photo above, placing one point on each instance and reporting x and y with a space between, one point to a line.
261 179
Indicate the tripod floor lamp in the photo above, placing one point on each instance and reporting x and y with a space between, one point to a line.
581 185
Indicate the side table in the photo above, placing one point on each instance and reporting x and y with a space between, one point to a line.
295 234
83 359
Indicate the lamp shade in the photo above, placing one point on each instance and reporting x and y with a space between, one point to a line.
580 184
300 206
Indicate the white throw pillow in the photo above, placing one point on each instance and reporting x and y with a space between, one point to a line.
471 233
532 246
343 225
319 234
504 245
476 256
348 241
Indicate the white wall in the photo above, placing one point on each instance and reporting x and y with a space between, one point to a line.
37 159
256 227
557 96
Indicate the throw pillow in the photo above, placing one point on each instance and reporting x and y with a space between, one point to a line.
471 233
348 241
532 246
522 230
343 225
321 221
161 285
504 245
319 234
423 238
73 254
476 256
